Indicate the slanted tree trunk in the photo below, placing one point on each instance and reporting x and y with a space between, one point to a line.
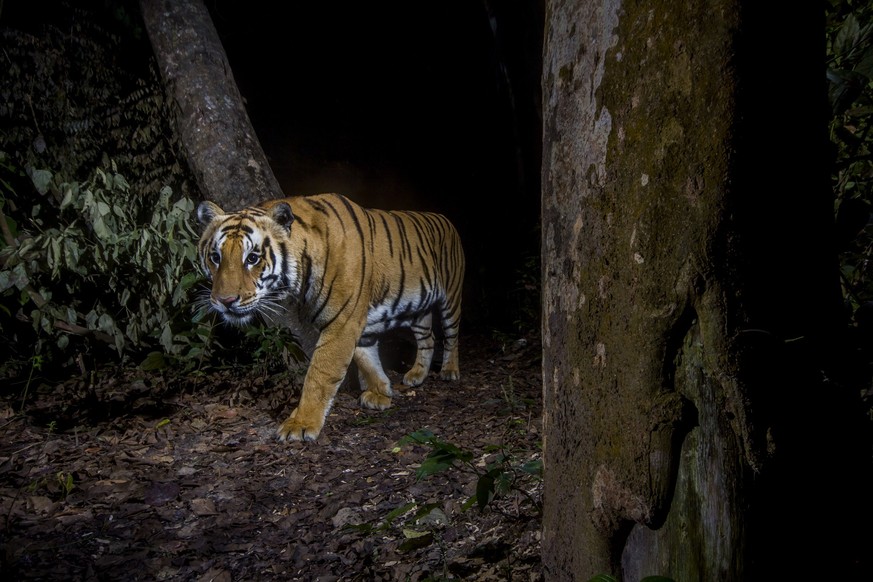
221 146
690 297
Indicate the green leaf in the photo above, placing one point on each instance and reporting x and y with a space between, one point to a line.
398 511
434 464
534 467
40 319
71 252
54 256
469 503
847 36
200 314
105 323
41 180
366 528
154 361
121 182
104 178
25 246
448 450
19 276
503 481
421 436
412 534
415 543
100 228
484 490
167 337
193 353
865 63
68 198
13 228
185 205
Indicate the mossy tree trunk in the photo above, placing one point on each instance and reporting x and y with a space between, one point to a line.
691 304
222 149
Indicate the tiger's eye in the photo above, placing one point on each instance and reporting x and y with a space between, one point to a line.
253 259
215 257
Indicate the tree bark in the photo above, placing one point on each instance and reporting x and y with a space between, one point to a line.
222 149
687 309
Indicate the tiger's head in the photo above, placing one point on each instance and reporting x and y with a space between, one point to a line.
247 256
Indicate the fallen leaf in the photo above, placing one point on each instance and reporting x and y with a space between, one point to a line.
203 506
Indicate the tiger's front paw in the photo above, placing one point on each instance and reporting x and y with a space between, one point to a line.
374 400
300 428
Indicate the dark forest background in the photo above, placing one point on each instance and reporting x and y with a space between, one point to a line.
422 105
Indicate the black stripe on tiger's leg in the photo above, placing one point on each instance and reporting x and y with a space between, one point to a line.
422 329
450 369
376 390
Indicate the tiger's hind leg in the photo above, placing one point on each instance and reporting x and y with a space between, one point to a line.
422 329
375 385
450 369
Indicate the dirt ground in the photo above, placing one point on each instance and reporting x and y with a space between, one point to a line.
145 476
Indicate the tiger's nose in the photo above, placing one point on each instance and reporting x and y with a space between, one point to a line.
227 300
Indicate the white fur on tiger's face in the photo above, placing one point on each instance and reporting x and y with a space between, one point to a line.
344 273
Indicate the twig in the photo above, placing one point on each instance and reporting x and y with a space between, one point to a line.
10 421
83 331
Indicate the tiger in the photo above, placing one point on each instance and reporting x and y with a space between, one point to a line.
340 276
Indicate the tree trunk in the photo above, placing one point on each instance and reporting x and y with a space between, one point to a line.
690 297
222 149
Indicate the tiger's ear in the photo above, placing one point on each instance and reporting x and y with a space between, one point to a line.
207 211
282 215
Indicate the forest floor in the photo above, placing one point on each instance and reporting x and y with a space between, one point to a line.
145 476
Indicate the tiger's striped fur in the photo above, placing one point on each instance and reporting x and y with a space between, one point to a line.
345 274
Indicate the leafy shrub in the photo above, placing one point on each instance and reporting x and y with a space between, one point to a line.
95 199
107 263
850 72
88 252
272 347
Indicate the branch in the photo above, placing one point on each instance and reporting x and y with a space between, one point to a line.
84 331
